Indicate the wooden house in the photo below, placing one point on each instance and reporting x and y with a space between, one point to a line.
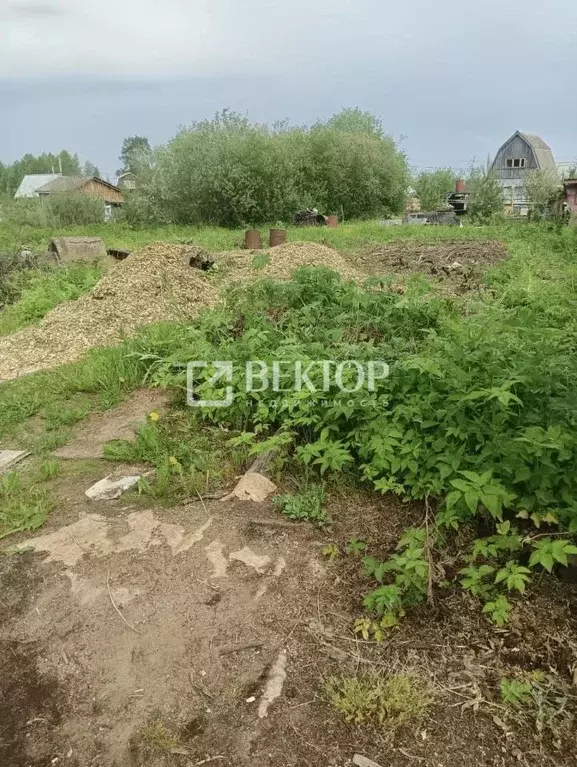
519 154
94 187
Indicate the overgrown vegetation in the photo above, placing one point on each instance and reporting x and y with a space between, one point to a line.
187 462
477 417
22 507
55 211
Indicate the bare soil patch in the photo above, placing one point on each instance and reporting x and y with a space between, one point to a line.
208 623
457 266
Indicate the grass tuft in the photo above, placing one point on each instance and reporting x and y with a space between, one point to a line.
21 508
390 701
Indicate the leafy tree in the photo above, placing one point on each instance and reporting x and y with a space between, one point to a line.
433 188
230 172
542 188
135 155
354 120
486 196
90 170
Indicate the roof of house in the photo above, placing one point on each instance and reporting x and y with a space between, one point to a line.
543 153
71 184
63 184
30 184
541 150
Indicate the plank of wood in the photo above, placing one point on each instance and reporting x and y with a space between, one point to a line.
9 458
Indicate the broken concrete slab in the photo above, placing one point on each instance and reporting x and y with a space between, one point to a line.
121 423
91 535
274 684
249 558
362 761
252 487
108 489
9 458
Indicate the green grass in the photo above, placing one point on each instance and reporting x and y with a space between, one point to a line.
386 700
40 291
348 236
23 507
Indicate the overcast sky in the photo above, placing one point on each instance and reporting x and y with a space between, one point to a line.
453 80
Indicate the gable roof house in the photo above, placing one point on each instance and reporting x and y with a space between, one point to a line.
94 187
31 183
520 153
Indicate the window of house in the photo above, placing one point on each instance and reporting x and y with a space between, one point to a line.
516 162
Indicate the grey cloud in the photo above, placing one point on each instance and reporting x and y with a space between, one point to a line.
455 79
36 10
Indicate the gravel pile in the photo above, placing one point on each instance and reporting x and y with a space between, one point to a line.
153 284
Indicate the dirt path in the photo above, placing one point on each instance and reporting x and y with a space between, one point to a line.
143 637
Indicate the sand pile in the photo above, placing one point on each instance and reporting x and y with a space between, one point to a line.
153 284
239 265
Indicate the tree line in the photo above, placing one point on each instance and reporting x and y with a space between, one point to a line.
230 172
64 162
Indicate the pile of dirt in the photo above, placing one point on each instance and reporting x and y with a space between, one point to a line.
458 265
280 262
154 284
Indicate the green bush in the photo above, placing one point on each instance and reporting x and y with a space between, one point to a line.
26 212
74 209
229 172
57 210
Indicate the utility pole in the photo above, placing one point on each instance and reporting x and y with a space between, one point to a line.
60 163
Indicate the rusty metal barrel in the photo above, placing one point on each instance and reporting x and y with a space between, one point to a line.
332 222
460 186
252 239
277 237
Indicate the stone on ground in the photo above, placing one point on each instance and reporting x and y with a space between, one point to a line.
108 489
252 487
